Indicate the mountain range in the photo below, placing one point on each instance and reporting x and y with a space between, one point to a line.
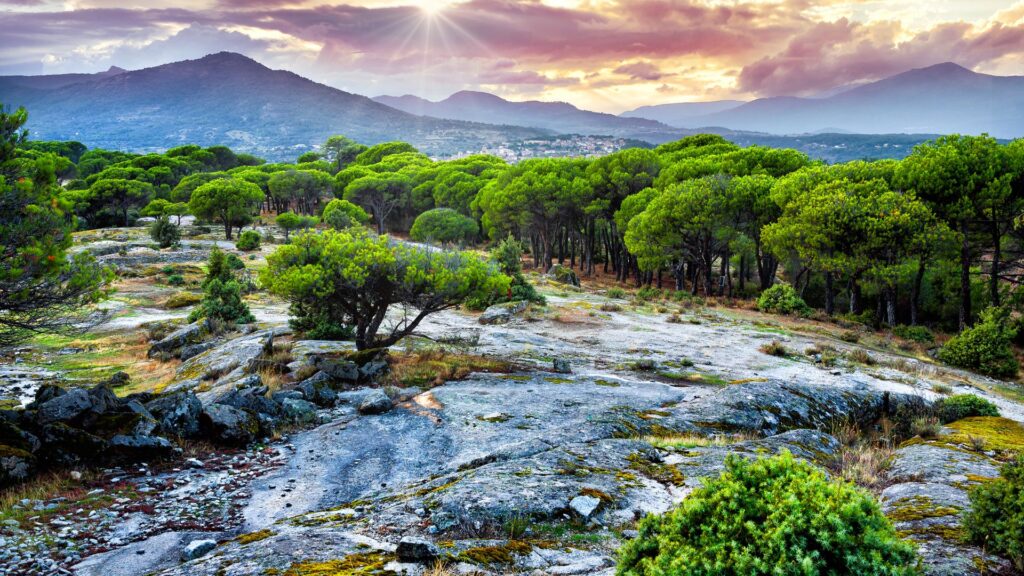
227 98
559 117
941 99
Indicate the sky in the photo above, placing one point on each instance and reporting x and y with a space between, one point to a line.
606 55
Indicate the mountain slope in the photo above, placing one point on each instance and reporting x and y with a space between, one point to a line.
555 116
680 114
940 99
226 98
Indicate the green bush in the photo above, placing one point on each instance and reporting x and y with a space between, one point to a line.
175 279
648 293
234 262
962 406
248 240
777 516
508 256
445 226
919 334
995 520
340 214
985 347
615 293
782 299
222 301
164 232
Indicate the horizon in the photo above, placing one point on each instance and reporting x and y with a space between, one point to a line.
604 56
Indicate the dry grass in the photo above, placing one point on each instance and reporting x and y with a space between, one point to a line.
685 441
775 348
435 366
44 486
861 356
863 456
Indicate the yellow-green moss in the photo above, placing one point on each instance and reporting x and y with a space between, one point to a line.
254 536
496 555
664 473
353 564
1000 434
918 508
595 493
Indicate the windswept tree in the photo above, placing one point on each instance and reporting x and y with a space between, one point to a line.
42 288
350 279
381 193
228 201
340 151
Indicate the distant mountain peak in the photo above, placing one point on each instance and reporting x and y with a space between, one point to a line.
115 70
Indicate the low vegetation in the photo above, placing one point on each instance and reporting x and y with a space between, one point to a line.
995 520
774 515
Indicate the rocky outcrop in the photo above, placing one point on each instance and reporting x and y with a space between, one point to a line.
230 425
563 275
179 339
502 313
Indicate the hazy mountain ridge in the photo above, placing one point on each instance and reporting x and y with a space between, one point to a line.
559 117
941 99
226 98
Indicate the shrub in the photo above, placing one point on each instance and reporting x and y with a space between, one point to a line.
850 336
985 347
919 334
176 280
775 348
222 301
782 299
615 293
340 214
995 519
164 232
443 225
508 256
776 515
648 293
962 406
167 270
248 240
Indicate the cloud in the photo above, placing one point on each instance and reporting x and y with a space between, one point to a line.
832 54
640 71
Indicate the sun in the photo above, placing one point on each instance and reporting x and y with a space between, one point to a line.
432 7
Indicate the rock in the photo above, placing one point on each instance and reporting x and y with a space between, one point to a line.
118 379
15 437
177 414
375 402
373 370
197 548
417 550
317 389
298 411
562 366
145 221
48 392
230 425
65 407
65 445
140 448
341 369
253 399
228 360
103 399
584 505
564 275
188 334
16 465
502 313
195 349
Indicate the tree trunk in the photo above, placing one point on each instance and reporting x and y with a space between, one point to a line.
854 288
830 303
965 277
890 305
915 294
996 255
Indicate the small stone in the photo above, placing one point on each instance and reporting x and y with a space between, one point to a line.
420 550
197 548
562 366
376 402
584 505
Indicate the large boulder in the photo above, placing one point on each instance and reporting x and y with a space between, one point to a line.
177 414
254 399
180 338
502 313
13 436
64 408
139 448
195 349
338 368
228 360
66 446
229 425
